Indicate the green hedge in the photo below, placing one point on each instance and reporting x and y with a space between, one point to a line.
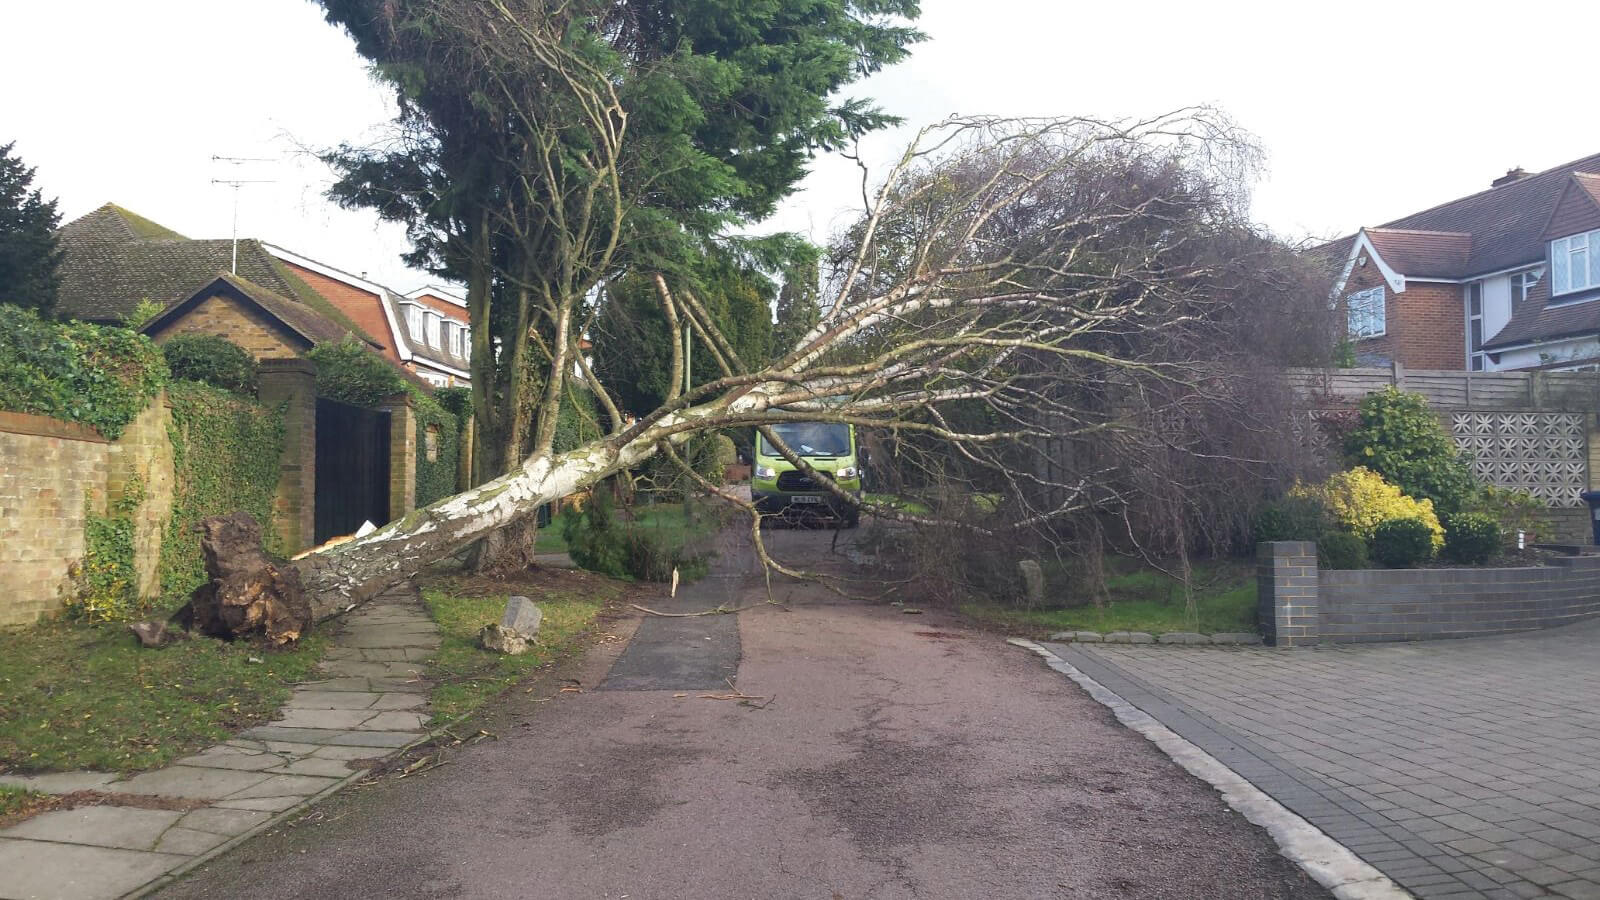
350 373
226 453
100 377
212 359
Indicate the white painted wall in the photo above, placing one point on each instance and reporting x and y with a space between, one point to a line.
1496 305
1543 354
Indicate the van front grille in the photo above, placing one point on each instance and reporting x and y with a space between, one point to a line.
795 481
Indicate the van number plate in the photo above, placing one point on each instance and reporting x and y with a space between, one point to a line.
805 498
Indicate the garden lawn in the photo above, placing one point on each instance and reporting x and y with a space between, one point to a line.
1146 600
667 517
75 696
467 676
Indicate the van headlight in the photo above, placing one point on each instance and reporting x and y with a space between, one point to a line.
766 472
847 472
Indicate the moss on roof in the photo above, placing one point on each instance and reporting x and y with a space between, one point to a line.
144 228
305 293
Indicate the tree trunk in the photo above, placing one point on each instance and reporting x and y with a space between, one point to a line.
354 572
508 550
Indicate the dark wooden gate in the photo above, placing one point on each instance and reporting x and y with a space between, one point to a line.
352 468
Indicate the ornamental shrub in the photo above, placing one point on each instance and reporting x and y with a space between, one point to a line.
1470 538
211 359
100 377
1402 543
1360 499
1400 438
1341 550
1514 511
1294 518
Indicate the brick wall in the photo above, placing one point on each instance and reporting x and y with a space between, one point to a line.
1371 605
51 474
144 452
250 329
1286 592
1425 327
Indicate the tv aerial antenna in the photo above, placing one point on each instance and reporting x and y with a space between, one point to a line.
236 183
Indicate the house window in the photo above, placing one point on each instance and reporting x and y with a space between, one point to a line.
1573 267
433 330
1475 355
1522 283
414 322
1364 310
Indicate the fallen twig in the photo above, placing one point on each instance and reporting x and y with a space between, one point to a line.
718 611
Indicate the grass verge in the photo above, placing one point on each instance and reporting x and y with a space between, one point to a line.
75 696
466 676
17 804
1145 600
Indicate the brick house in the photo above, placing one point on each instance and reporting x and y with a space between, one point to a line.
266 324
1502 279
425 332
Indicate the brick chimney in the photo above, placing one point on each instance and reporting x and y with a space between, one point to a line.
1511 175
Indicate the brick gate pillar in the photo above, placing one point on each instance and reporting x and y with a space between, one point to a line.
292 385
402 455
1286 593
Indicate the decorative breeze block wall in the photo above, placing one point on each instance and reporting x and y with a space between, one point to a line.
1545 454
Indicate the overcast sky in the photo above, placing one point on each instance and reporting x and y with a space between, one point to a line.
1366 110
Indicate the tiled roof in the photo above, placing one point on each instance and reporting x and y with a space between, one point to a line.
298 317
113 258
1422 254
1533 321
1506 223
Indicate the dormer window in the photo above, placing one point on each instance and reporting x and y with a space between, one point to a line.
1574 263
1364 313
414 322
433 330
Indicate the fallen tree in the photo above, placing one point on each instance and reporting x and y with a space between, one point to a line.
939 322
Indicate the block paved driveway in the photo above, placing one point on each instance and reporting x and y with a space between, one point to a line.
1460 768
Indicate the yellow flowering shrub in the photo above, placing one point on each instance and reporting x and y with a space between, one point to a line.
1360 498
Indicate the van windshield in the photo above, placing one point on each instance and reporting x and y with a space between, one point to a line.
810 439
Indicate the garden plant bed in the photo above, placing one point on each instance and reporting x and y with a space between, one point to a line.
668 518
80 696
1141 600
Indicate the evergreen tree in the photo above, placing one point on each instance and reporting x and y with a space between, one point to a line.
798 311
30 260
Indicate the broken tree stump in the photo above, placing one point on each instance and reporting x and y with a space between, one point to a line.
251 594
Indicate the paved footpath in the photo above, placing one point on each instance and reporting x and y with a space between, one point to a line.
1459 768
370 704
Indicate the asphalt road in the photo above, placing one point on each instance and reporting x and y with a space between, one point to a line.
889 756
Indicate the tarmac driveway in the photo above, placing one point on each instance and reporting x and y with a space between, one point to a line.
1459 768
883 755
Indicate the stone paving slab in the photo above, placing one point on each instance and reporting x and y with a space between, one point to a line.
1465 768
371 703
46 870
104 826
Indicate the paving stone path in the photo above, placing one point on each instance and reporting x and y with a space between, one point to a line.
369 703
1462 769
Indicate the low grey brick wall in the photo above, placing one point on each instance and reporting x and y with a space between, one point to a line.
1364 605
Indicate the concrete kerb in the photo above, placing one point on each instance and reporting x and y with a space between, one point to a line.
1327 861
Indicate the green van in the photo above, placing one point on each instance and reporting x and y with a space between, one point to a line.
777 486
